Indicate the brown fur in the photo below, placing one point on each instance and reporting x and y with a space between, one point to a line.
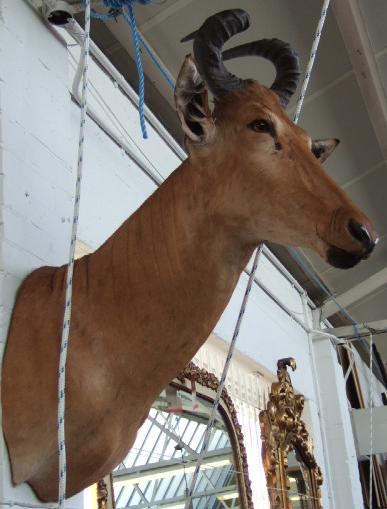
149 297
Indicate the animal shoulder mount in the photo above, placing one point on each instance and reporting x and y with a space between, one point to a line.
148 298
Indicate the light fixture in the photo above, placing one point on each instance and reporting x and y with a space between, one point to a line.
173 506
169 473
228 496
216 464
151 477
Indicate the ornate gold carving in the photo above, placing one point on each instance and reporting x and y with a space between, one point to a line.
105 499
283 430
209 380
102 494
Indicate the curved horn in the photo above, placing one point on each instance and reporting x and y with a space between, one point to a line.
281 55
208 43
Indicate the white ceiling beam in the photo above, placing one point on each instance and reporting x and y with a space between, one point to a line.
356 40
163 15
356 293
363 329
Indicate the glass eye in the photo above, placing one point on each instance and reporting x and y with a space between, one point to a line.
261 126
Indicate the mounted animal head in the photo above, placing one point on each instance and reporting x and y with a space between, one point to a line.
266 169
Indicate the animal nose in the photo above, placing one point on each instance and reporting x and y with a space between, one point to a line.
362 235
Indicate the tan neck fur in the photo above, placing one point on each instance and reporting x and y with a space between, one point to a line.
160 251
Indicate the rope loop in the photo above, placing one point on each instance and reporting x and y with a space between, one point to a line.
124 8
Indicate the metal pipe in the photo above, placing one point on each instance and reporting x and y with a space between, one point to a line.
275 299
274 260
320 410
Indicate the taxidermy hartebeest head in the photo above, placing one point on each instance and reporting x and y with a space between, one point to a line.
147 299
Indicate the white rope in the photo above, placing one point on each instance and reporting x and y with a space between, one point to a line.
371 397
207 433
351 362
70 270
312 56
371 405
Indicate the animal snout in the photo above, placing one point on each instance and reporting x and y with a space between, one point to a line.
361 233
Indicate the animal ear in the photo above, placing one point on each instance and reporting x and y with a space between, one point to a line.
322 149
191 99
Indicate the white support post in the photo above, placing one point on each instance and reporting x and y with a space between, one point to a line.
337 429
329 502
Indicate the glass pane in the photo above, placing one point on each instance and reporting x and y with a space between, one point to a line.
158 470
300 494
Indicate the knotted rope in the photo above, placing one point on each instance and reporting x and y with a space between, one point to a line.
124 8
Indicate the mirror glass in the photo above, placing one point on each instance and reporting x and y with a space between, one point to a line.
157 471
300 492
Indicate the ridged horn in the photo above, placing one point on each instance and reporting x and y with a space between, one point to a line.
283 57
208 44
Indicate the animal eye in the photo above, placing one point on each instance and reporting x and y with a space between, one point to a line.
261 126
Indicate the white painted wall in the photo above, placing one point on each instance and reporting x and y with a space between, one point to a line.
361 421
39 129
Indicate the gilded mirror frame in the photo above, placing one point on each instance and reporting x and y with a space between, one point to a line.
206 385
282 430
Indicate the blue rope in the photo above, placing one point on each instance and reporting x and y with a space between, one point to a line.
131 20
156 62
124 8
119 4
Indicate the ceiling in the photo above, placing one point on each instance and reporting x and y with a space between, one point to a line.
346 99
